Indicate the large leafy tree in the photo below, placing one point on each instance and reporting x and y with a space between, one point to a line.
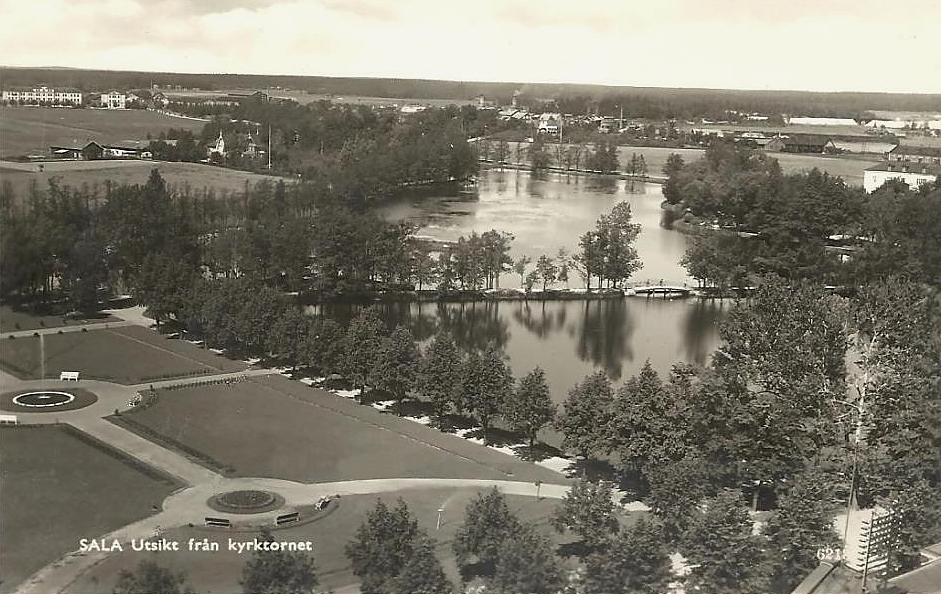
279 572
488 523
422 574
150 578
802 524
676 489
361 347
727 556
397 366
648 425
636 561
439 374
486 383
289 335
383 546
527 563
587 510
784 409
531 407
586 416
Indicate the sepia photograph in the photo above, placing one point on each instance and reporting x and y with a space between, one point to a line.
470 297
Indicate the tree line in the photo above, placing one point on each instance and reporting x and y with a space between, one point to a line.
77 246
800 226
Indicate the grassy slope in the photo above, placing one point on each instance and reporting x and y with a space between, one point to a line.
127 355
275 427
55 490
26 129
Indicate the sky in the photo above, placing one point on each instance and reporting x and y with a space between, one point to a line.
819 45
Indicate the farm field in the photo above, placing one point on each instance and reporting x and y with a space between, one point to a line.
127 355
274 427
303 97
56 489
26 130
14 319
219 572
94 174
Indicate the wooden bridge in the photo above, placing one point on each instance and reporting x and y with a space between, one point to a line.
662 290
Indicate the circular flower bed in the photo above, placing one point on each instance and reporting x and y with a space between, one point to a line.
247 501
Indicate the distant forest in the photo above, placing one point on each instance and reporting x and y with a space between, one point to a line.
649 102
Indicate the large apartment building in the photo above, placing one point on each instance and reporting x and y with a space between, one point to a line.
44 95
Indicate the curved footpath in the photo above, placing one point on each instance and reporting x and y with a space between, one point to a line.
189 505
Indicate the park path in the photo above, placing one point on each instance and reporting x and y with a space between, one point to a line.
145 450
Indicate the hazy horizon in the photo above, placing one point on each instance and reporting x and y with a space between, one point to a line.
772 45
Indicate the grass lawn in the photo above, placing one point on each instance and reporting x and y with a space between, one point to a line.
12 320
94 174
219 572
274 427
56 489
35 129
127 355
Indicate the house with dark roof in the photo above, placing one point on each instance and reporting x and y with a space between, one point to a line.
801 143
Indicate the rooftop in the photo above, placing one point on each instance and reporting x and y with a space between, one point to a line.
904 167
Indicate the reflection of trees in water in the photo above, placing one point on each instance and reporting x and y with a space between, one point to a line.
540 318
700 324
601 184
474 325
603 336
420 318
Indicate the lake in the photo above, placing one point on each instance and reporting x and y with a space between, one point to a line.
568 339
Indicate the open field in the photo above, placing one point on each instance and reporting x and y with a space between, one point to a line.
274 427
15 319
26 130
303 97
127 355
56 489
219 572
94 174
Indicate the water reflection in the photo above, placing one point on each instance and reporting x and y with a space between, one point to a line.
603 334
568 339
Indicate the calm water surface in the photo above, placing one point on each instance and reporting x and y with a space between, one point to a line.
568 339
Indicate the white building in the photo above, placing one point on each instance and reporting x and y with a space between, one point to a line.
217 148
822 121
114 100
913 174
44 95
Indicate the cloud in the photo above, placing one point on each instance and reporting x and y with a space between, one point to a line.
779 44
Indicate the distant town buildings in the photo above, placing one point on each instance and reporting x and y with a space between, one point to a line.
43 95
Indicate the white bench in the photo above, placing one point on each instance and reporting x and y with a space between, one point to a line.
8 420
68 376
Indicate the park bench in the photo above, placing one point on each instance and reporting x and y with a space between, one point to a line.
68 376
8 420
